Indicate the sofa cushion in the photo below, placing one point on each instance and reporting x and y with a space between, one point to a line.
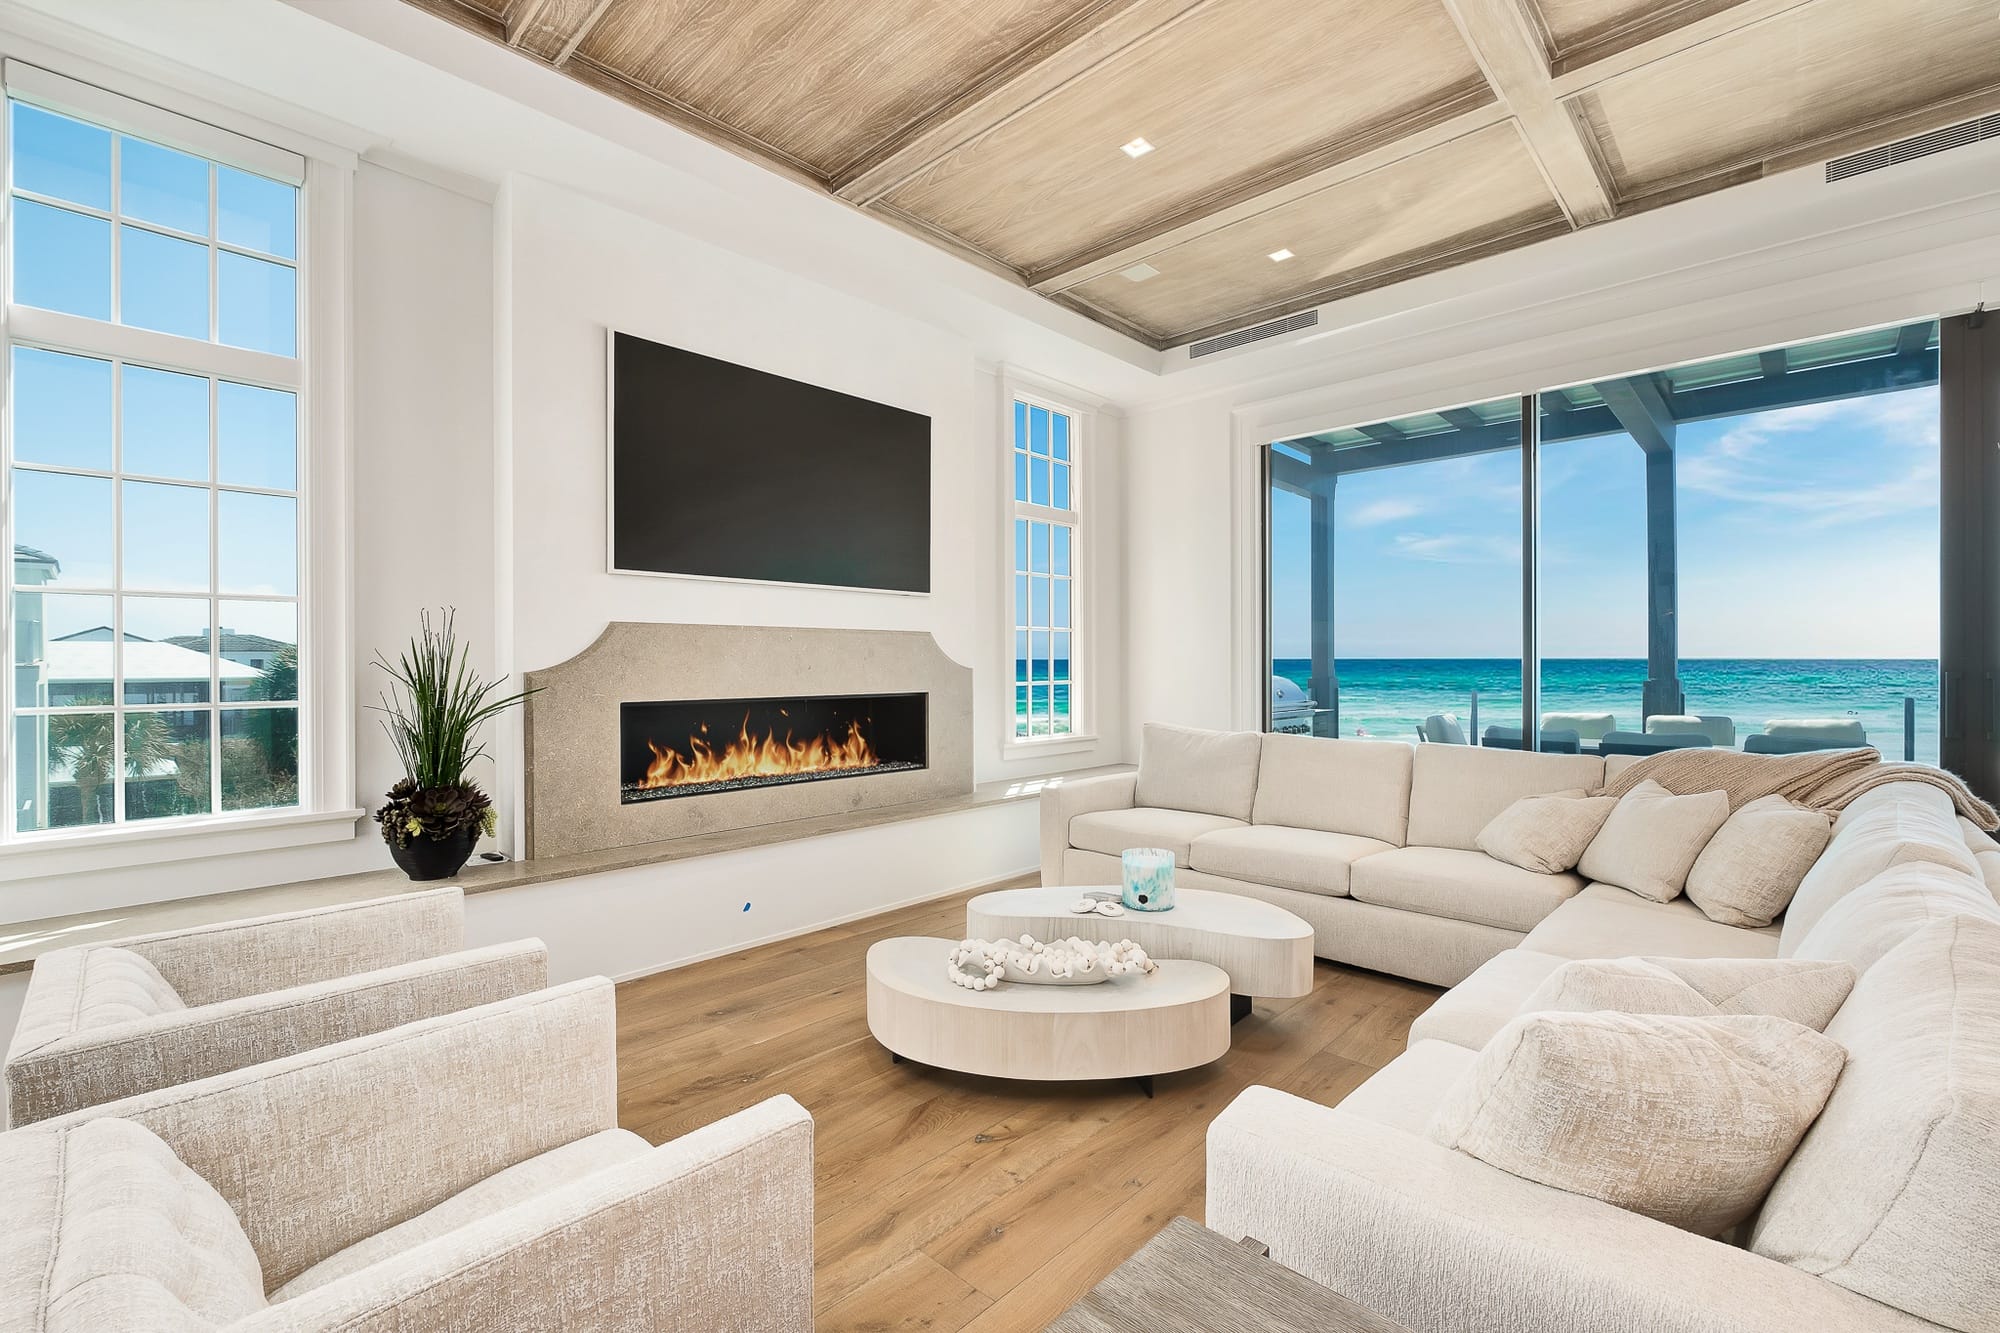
107 1231
1405 1093
1210 772
1888 826
1336 786
120 986
1607 922
1989 870
1305 859
1455 790
1754 863
1614 764
1977 839
1112 831
1891 1194
1687 1120
503 1189
1652 838
1472 1011
1465 886
1546 834
1896 904
1803 991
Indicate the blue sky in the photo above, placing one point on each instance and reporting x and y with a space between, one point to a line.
1804 532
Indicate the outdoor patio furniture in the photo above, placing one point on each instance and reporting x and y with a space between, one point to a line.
1720 729
1559 741
1587 726
1638 742
1443 728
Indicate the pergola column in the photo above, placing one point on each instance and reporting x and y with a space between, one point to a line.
1325 679
1642 410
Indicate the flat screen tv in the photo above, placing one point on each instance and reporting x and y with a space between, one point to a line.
721 471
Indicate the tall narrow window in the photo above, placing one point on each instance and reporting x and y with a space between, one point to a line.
152 454
1046 552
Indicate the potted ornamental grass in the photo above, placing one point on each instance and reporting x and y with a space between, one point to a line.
433 710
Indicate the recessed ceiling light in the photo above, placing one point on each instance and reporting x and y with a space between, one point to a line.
1280 256
1137 148
1139 272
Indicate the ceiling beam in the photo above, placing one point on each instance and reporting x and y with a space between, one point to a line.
1099 34
1462 417
1773 363
1912 339
1318 170
523 17
1511 55
578 33
1654 38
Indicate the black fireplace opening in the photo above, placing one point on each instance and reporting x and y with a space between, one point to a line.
697 747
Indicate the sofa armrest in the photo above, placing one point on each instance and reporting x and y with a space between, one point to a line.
1440 1241
205 964
712 1231
1064 801
104 1064
319 1150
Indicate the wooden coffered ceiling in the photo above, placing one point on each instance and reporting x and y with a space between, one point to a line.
1372 139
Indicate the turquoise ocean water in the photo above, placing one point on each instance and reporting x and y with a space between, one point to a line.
1388 697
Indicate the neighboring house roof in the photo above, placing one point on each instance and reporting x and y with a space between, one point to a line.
232 642
90 660
32 553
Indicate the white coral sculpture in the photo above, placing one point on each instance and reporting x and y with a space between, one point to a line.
983 964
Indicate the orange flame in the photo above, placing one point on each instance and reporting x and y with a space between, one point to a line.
757 756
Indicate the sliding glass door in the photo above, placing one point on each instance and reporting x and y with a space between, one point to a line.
1395 578
1738 553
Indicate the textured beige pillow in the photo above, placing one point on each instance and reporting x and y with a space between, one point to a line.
1807 992
1546 834
1652 839
1752 866
1686 1120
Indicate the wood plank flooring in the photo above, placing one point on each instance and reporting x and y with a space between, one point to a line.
949 1202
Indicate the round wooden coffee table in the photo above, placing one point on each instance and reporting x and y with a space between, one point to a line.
1127 1027
1265 950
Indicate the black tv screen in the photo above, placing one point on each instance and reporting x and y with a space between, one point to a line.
721 471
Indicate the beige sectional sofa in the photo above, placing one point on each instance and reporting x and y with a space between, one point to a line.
1374 843
1880 1220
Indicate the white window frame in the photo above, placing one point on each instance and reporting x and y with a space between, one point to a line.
326 811
1016 387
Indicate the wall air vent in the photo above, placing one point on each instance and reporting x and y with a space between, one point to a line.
1256 333
1906 150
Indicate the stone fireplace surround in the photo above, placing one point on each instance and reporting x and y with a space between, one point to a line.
572 731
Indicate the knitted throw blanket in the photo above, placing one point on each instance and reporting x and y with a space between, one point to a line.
1823 779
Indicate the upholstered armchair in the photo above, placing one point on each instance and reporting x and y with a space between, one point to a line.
464 1172
105 1021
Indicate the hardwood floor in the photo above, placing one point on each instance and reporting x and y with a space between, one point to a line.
949 1202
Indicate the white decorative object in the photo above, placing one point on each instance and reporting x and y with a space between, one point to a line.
984 964
1266 950
1097 907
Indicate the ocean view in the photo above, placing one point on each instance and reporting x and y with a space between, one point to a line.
1388 697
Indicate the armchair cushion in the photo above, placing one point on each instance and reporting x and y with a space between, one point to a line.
108 1231
119 986
515 1184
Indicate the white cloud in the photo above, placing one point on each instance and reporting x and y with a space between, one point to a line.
1766 461
1457 548
1382 511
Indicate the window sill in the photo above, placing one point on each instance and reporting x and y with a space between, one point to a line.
45 855
1033 749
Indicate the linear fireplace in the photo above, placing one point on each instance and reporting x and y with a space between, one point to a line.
699 747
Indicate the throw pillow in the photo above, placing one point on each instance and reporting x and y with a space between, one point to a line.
1807 992
1685 1120
1546 834
1185 768
1651 839
1752 866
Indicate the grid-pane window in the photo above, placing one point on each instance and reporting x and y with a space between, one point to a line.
1045 546
154 602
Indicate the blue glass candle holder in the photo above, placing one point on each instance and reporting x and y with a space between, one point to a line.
1149 878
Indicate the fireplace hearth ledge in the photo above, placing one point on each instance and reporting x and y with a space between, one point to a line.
31 939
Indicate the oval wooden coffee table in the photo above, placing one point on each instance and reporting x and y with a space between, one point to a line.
1266 950
1127 1027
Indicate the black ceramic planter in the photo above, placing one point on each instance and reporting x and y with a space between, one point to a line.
430 858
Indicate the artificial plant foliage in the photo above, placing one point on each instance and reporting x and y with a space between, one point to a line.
433 710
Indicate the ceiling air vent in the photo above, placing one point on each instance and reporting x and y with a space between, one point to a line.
1256 333
1906 150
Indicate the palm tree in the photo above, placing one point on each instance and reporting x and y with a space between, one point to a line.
86 744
